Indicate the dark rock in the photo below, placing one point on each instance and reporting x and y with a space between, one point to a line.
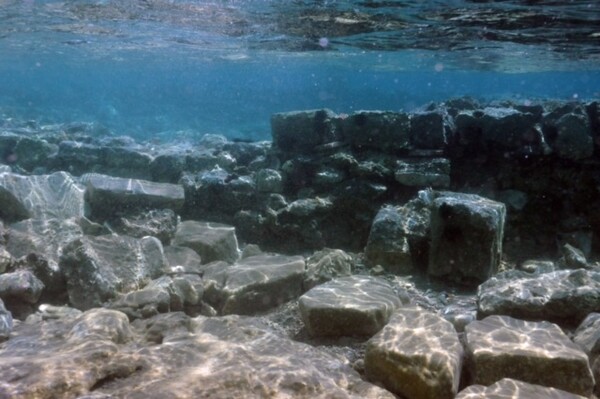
416 355
348 306
143 303
33 153
42 197
254 284
168 168
496 349
80 158
96 269
269 181
109 197
466 237
101 323
500 127
21 286
564 296
515 389
430 130
246 153
300 132
6 322
380 130
325 265
424 173
5 259
161 224
573 258
212 241
399 235
217 195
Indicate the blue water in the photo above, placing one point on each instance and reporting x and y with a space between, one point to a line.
147 89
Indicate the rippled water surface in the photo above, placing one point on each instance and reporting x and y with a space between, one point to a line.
155 66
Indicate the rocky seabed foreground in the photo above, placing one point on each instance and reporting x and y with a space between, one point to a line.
122 274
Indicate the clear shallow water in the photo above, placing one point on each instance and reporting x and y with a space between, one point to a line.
142 68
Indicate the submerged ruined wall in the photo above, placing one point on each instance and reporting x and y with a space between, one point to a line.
541 160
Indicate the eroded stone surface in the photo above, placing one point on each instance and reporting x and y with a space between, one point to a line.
99 354
416 355
348 306
212 241
564 296
535 352
108 196
466 237
96 269
254 284
56 195
325 265
514 389
6 322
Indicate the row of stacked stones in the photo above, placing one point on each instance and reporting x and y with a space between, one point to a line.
118 242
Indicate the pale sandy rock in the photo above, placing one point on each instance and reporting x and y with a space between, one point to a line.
508 388
535 352
417 355
212 241
254 284
348 306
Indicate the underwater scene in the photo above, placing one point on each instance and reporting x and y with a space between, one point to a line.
299 199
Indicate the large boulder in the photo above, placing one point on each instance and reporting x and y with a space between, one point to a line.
299 132
514 389
466 237
430 129
416 355
348 306
212 241
381 130
20 290
322 266
573 137
57 196
540 353
108 197
159 223
399 236
254 284
96 269
564 296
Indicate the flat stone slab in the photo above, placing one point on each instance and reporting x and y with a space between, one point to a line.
107 195
348 306
514 389
57 195
254 284
212 241
564 296
535 352
416 355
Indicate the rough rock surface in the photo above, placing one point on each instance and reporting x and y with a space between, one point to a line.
536 352
429 173
514 389
6 322
109 196
57 195
183 259
254 284
96 269
416 355
466 237
99 354
212 241
325 265
348 306
564 296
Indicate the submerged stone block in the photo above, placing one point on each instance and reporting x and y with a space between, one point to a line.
535 352
300 131
466 237
348 306
514 389
110 196
424 173
416 355
381 130
212 241
254 284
